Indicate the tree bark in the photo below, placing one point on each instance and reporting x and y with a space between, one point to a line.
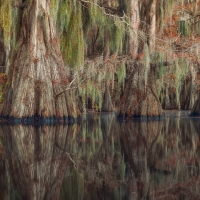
38 73
152 26
139 99
135 22
188 93
196 108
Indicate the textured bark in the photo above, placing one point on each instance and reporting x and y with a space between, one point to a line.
107 102
152 26
37 74
135 22
188 94
37 159
170 100
196 108
2 52
139 99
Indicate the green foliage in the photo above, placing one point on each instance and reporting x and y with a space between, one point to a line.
116 43
95 94
170 78
121 74
158 59
5 19
184 28
54 8
111 29
15 31
86 19
65 9
163 9
72 43
181 70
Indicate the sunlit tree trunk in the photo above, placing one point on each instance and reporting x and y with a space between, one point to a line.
152 26
135 22
37 74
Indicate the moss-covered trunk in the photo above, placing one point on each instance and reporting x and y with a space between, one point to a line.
135 22
196 108
37 74
107 102
140 97
188 93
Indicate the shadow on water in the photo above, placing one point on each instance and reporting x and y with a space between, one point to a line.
102 159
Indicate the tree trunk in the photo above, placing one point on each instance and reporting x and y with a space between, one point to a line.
135 22
37 74
152 26
107 105
196 108
107 102
188 93
139 99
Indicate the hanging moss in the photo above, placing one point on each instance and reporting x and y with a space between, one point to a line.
72 43
160 13
97 16
86 19
181 70
5 19
111 30
158 58
15 31
184 28
116 44
163 9
65 9
92 92
54 8
171 79
121 74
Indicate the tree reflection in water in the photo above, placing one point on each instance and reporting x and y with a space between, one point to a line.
105 159
37 158
163 157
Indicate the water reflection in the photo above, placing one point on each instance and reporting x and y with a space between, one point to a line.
37 158
103 159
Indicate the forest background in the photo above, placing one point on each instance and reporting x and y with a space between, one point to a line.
59 58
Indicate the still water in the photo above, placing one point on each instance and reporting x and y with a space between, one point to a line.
102 159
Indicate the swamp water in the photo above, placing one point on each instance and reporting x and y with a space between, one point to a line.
102 159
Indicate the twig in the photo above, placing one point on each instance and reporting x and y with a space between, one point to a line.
69 87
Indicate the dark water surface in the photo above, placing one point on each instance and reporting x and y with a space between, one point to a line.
102 159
